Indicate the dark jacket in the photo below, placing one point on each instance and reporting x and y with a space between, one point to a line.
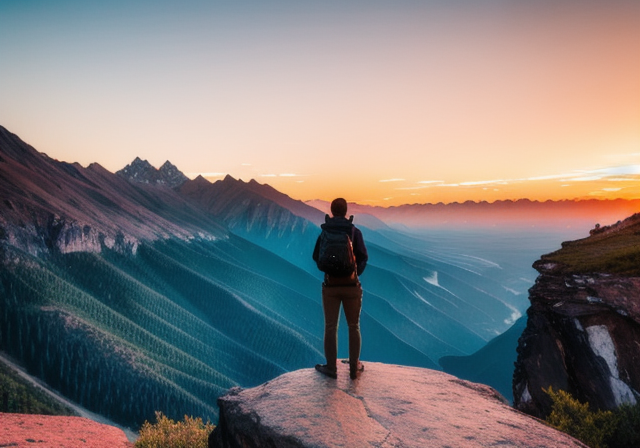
345 225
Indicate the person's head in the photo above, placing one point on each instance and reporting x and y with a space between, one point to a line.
339 207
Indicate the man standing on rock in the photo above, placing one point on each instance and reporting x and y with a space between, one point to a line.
341 254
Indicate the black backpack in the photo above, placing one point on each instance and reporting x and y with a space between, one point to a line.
335 253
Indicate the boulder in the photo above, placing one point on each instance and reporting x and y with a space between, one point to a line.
387 406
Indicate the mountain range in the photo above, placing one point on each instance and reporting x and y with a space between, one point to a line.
144 290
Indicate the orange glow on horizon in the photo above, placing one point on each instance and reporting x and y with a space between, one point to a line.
398 192
384 103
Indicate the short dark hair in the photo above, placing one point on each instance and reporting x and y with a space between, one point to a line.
339 207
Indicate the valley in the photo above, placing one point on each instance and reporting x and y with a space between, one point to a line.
131 294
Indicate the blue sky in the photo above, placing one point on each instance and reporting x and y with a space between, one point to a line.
384 102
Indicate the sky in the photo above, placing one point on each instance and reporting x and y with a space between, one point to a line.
380 102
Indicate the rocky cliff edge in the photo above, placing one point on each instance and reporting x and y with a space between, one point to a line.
583 328
387 406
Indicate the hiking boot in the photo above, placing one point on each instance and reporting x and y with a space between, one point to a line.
355 370
328 371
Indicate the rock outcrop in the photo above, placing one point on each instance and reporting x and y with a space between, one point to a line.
583 329
25 430
387 406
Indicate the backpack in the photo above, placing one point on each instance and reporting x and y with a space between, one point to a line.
335 253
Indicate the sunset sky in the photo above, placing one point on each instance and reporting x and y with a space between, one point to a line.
382 102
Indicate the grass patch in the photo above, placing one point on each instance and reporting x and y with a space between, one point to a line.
613 250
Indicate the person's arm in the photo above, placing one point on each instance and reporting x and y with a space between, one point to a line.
360 251
316 250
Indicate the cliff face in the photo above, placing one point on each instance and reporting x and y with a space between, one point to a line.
387 406
583 329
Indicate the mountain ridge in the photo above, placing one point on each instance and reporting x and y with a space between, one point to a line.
207 285
155 300
581 213
142 171
49 205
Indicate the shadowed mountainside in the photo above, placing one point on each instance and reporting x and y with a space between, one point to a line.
132 292
153 292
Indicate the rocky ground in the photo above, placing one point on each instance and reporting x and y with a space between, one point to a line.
388 406
33 431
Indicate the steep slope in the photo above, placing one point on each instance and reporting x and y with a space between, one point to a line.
21 396
128 297
259 214
583 325
492 364
438 308
100 296
50 205
155 296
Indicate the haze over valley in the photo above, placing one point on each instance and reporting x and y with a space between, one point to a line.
144 290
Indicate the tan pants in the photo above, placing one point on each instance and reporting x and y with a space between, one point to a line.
351 299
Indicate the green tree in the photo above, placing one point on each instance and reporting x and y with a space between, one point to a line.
627 433
570 416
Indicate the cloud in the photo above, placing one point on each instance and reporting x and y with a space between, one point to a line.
610 173
424 184
421 187
623 173
283 175
549 177
613 174
484 182
585 178
622 170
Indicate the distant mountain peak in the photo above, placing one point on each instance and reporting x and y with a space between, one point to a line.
200 179
168 166
172 175
143 172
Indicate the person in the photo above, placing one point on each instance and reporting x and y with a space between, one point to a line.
342 290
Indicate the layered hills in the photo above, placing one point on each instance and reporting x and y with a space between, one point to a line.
142 290
581 215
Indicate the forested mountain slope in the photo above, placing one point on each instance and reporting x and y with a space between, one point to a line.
144 291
